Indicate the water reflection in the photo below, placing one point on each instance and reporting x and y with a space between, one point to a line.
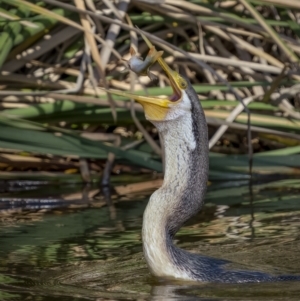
87 246
217 292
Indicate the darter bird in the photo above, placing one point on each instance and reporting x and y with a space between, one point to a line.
180 120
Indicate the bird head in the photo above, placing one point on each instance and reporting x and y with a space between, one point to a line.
164 109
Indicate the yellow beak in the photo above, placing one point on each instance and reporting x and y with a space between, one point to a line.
156 108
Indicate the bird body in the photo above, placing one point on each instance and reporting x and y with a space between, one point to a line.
181 123
184 186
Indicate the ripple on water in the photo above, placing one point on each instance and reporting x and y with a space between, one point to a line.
94 252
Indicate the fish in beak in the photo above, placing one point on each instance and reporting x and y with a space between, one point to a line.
156 108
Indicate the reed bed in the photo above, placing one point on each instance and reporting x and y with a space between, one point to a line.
242 58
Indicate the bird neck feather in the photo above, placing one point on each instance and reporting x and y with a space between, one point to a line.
181 195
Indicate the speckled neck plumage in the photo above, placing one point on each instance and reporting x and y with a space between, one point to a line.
180 197
185 140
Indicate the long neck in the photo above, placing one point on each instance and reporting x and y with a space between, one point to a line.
181 196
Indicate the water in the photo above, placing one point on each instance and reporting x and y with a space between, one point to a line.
74 247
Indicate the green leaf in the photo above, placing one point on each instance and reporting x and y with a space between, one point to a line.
32 137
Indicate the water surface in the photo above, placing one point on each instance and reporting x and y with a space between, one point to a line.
68 243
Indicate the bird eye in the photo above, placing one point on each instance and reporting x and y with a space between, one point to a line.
182 83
